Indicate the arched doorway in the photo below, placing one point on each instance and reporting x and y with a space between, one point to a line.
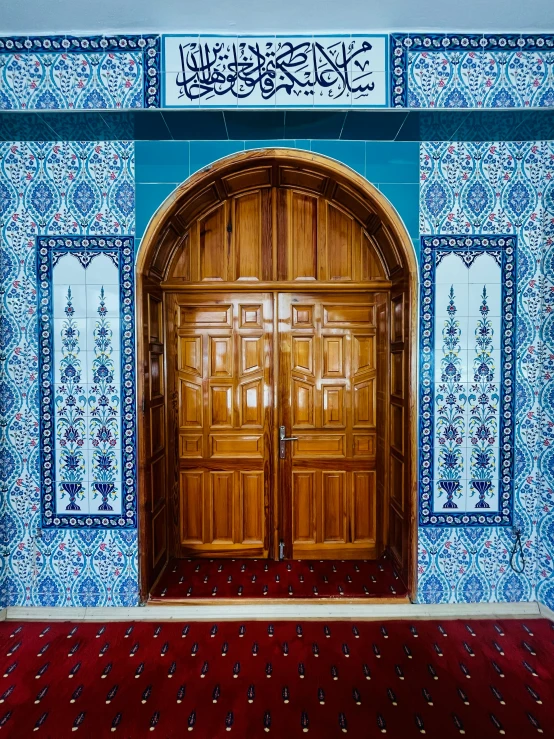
276 296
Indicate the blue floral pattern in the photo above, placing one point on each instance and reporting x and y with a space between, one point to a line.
451 556
85 73
70 414
45 566
104 412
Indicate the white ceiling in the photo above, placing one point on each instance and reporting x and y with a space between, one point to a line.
22 17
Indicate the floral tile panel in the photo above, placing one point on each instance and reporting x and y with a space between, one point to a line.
85 289
467 380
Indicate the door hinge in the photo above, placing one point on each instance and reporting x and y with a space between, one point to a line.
281 549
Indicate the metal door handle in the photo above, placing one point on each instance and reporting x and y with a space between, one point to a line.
282 438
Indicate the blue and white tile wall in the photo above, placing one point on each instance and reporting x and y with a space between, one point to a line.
488 189
59 189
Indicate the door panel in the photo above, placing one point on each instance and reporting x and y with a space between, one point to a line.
327 390
223 360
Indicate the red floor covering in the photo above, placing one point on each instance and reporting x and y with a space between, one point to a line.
444 679
259 578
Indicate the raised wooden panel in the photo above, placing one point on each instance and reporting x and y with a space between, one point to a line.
397 318
221 405
192 506
363 354
397 374
386 246
351 201
364 445
333 356
251 403
156 361
248 179
251 316
221 356
302 253
157 429
204 316
251 354
371 267
302 354
191 445
397 427
213 238
154 319
333 488
364 404
320 446
302 179
197 204
302 404
190 404
252 497
364 507
189 355
232 446
333 406
302 316
247 226
397 481
181 263
338 245
222 508
158 487
348 315
167 243
303 504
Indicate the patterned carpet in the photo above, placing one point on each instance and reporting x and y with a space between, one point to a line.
443 679
263 578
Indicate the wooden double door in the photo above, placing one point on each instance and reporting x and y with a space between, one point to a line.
247 368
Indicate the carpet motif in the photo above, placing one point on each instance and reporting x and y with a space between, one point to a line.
477 679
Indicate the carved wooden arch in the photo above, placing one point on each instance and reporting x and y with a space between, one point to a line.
394 266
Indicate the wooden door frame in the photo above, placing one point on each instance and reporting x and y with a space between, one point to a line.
156 251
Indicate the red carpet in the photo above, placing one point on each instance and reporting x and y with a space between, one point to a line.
263 578
477 679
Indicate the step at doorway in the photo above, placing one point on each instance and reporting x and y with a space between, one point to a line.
263 579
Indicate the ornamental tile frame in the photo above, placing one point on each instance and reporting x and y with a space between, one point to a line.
79 72
471 70
109 402
444 484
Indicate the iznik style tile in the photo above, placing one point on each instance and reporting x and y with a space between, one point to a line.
467 398
471 191
472 71
84 73
62 190
87 381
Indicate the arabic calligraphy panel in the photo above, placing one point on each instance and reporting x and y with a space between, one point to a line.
295 71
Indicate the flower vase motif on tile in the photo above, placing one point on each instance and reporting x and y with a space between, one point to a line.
483 410
450 418
70 406
104 410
